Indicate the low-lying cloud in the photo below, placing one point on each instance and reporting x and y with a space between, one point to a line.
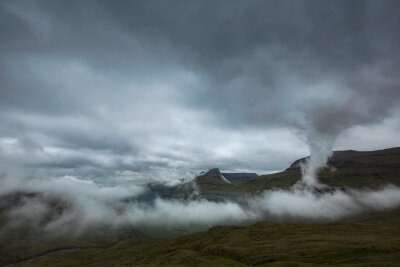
69 205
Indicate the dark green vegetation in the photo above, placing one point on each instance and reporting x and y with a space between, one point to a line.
19 243
351 169
25 237
28 237
372 239
24 242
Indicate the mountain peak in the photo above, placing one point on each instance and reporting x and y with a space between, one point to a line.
214 171
212 176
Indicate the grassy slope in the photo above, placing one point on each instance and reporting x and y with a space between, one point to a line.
26 237
23 242
373 240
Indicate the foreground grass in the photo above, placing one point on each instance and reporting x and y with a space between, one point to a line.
370 240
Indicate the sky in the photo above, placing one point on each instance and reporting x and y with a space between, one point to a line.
119 91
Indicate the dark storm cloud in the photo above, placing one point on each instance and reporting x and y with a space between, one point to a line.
178 85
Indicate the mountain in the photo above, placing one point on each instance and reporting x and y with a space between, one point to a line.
351 169
212 185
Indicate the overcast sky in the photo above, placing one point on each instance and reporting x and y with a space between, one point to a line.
138 90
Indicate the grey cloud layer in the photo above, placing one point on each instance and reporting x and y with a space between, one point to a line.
90 88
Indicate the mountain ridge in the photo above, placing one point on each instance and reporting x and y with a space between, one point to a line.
347 168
